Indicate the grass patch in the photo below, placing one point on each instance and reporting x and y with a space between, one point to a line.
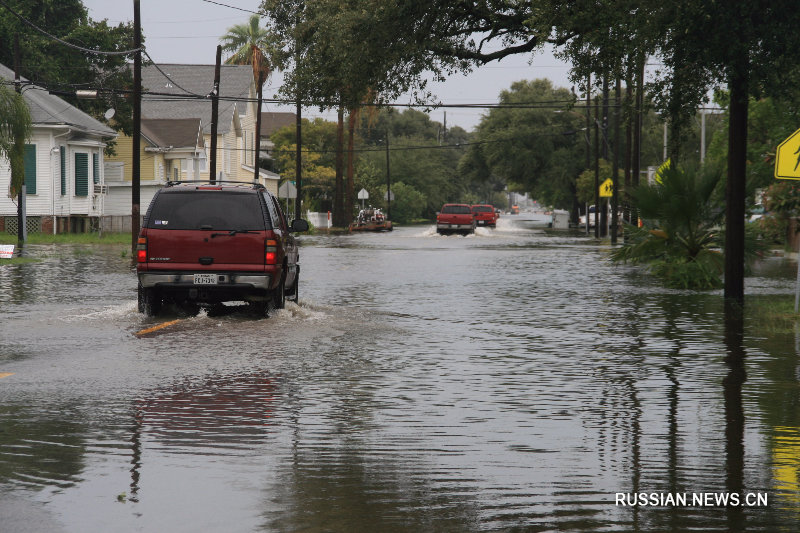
18 261
70 238
772 314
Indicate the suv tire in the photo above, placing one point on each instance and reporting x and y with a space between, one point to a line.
150 301
294 292
279 294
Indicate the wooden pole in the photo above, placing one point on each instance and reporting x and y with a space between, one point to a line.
137 126
298 204
212 169
257 146
22 233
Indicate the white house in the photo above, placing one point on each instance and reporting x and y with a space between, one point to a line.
63 166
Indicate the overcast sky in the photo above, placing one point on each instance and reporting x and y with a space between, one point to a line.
188 31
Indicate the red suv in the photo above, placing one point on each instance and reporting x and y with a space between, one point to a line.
205 243
485 215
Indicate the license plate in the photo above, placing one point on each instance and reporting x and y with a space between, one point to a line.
205 279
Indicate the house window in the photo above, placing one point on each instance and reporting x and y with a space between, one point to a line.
82 174
96 168
203 161
30 168
63 156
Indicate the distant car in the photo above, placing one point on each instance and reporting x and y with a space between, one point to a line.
205 243
484 215
455 218
515 210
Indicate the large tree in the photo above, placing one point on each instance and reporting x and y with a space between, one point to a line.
59 67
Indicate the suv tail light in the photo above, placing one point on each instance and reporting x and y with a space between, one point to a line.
141 250
271 251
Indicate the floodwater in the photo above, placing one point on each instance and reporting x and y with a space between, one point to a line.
511 380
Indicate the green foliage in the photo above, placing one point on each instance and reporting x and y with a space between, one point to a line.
681 227
408 203
532 149
585 185
55 66
250 44
15 129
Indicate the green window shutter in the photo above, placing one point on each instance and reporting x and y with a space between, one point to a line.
81 174
63 170
30 168
96 168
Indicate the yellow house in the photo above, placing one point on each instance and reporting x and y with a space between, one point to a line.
180 91
171 149
175 106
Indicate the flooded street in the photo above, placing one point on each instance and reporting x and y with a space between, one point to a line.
512 380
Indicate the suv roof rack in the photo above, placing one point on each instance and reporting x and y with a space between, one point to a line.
253 184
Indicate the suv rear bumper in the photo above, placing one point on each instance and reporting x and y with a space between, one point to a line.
454 227
224 281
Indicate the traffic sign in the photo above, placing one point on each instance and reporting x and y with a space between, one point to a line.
388 196
787 158
287 190
363 194
607 189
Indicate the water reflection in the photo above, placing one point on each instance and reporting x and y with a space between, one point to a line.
510 381
734 412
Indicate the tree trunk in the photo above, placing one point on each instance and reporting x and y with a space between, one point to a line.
350 199
338 195
735 190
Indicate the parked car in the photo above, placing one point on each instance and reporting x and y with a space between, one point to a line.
455 218
484 215
205 243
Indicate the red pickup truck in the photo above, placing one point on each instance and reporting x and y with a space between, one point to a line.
484 215
455 218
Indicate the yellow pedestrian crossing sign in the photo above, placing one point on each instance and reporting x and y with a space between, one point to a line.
787 158
607 189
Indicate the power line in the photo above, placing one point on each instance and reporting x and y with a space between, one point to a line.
65 43
173 82
232 7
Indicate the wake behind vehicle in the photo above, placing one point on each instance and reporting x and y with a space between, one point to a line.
485 215
455 218
205 243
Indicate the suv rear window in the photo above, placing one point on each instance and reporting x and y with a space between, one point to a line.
456 209
194 210
482 209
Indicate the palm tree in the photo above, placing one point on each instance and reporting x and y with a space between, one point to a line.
680 238
15 129
250 44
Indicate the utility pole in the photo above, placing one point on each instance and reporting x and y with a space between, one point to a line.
298 162
604 127
388 178
615 173
22 230
586 136
596 168
257 146
137 125
212 169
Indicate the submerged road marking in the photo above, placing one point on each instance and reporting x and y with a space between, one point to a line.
5 374
157 327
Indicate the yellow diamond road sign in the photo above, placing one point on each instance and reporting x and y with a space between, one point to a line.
787 158
607 189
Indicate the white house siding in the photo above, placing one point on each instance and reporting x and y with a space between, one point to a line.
118 201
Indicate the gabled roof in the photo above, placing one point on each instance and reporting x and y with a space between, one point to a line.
50 110
234 89
173 132
272 121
